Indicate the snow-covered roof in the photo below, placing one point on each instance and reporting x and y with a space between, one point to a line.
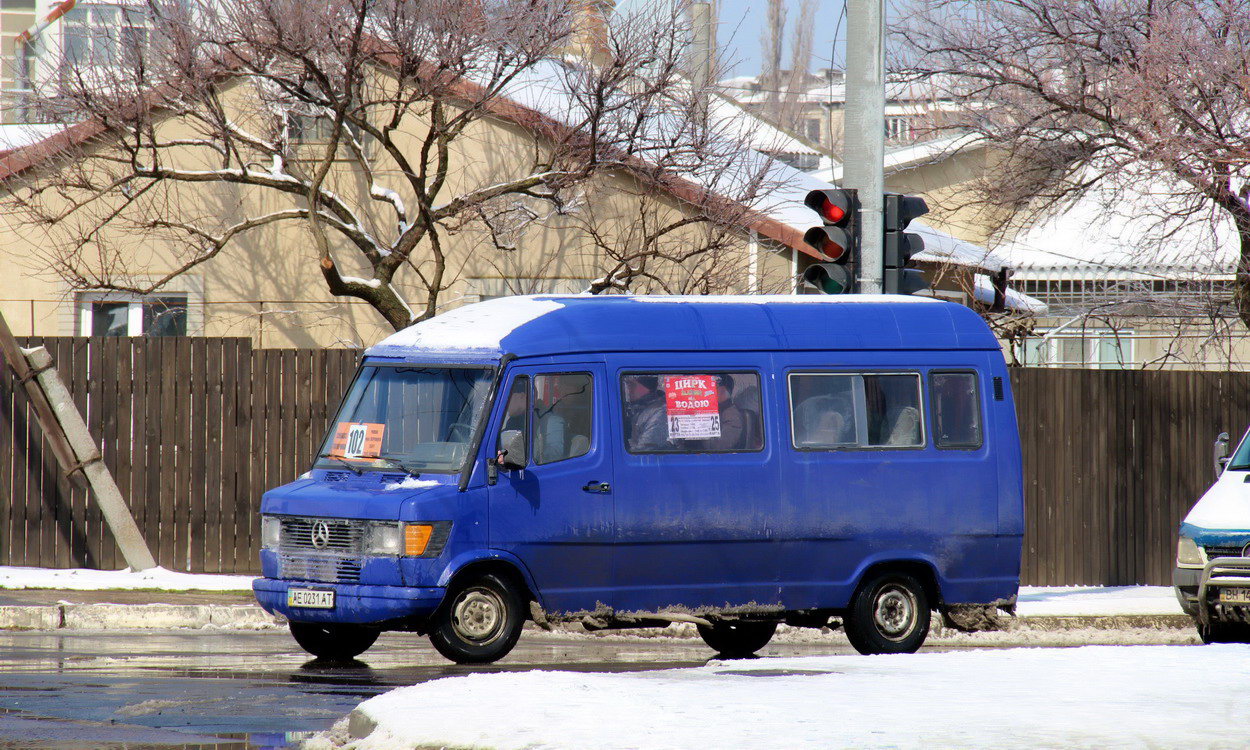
915 154
1115 233
899 89
18 135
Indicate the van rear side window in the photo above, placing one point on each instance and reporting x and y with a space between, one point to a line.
692 412
830 411
956 409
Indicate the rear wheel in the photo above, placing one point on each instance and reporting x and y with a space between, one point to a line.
1224 632
336 642
479 622
889 615
737 639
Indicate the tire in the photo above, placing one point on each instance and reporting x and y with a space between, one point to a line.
889 614
1224 632
479 622
333 642
737 639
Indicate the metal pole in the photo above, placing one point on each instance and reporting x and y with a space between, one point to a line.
125 531
864 132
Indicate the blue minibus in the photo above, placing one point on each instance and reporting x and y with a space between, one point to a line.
734 462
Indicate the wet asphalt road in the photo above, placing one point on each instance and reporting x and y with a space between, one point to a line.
229 689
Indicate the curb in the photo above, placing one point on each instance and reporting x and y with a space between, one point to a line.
137 617
252 617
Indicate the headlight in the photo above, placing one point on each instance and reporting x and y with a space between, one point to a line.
1189 553
384 539
270 532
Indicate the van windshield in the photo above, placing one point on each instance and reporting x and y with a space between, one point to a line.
1241 459
412 418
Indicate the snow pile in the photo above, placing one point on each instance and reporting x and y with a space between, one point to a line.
1076 601
1095 697
412 483
79 579
481 327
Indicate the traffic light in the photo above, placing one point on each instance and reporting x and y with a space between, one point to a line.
899 246
837 240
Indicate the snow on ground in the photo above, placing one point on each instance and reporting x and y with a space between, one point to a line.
1064 601
79 579
1090 697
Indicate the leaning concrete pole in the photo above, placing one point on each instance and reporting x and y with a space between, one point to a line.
125 531
863 134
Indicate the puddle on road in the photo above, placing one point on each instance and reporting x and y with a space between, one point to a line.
775 672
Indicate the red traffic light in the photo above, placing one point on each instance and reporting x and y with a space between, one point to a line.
834 206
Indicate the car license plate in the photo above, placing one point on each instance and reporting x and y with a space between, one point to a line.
1233 595
310 598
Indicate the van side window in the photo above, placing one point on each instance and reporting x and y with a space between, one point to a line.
563 416
870 410
692 412
516 412
956 409
893 403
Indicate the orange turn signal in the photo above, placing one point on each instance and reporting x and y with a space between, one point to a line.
416 539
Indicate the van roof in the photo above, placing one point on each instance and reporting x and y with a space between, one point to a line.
538 325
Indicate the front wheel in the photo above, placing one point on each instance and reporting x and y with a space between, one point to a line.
1224 632
336 642
737 640
479 622
889 615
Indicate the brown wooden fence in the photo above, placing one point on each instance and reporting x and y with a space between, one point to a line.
195 429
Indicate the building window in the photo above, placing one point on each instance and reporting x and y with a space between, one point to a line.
110 315
812 130
1095 349
316 128
897 129
100 33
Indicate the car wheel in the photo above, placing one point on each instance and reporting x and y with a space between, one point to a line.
889 614
737 639
1224 632
479 622
336 642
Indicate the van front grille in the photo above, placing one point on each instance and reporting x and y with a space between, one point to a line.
326 567
307 552
1223 551
340 534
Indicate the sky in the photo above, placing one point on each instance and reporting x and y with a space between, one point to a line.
742 20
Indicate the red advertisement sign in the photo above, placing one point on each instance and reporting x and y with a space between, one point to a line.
693 407
357 440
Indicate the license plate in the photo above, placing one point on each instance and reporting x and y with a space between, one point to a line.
310 598
1232 595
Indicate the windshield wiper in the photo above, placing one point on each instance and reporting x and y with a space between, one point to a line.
400 465
355 470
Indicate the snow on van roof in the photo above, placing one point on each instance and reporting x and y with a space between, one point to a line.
772 299
476 328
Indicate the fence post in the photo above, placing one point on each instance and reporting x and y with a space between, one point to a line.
88 460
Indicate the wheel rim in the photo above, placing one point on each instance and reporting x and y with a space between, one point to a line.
895 611
478 615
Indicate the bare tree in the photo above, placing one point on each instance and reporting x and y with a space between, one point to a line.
356 119
1085 95
784 88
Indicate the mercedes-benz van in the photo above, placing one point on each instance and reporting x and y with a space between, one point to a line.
732 462
1212 574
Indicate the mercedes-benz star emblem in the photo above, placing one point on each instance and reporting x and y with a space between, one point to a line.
320 535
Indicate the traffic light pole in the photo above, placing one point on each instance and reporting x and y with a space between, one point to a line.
863 162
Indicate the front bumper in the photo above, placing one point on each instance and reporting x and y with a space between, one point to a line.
356 604
1197 589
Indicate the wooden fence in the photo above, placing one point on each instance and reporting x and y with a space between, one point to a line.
196 429
193 429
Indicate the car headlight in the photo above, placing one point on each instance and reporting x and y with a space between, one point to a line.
384 539
270 532
1189 553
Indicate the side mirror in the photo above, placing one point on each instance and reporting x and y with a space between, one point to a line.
1221 453
512 446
